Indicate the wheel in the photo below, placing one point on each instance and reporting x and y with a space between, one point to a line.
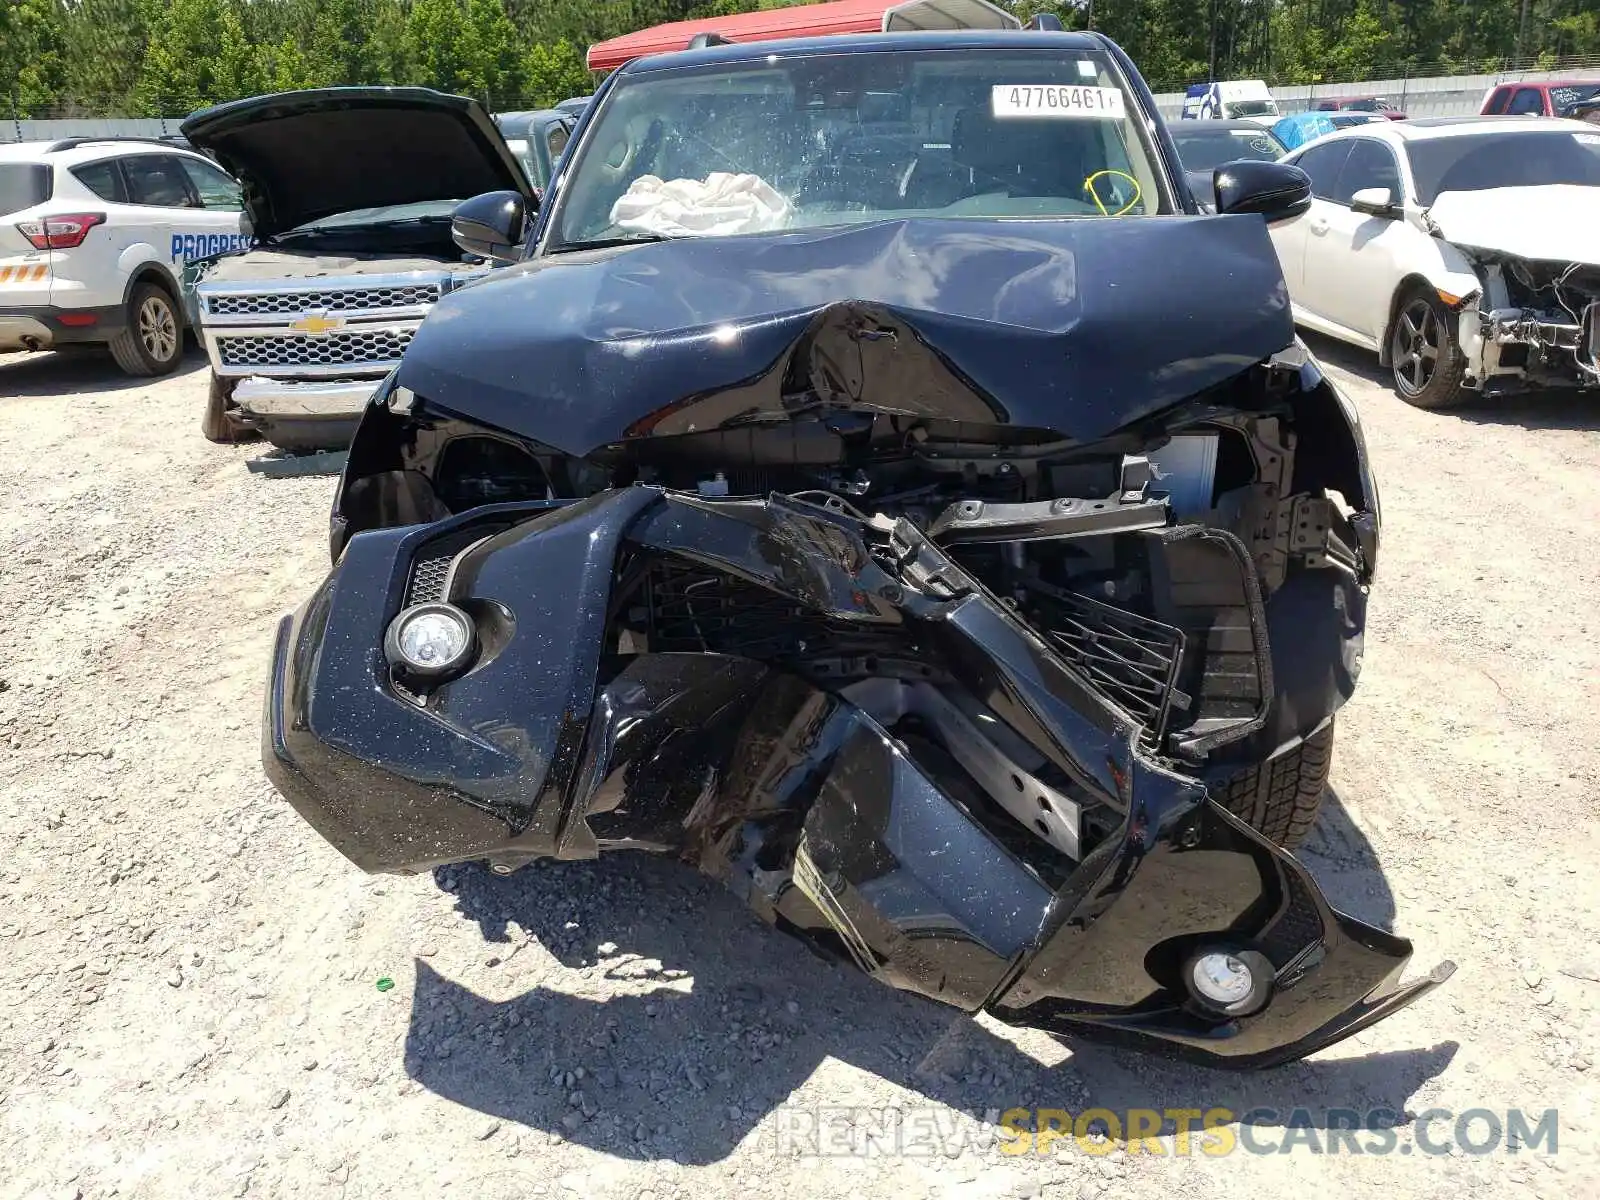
152 341
1281 797
218 423
1428 364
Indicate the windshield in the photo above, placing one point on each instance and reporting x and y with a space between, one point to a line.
1512 158
1205 149
1251 108
843 138
386 215
22 185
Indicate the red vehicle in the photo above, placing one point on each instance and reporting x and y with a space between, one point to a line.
804 20
1541 98
1381 105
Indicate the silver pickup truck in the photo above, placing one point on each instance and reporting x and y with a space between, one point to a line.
348 192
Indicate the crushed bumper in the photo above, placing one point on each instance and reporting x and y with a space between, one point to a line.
312 414
868 837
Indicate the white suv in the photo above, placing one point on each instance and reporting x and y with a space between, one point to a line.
94 236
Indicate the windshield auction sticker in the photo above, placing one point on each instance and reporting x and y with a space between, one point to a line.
1055 100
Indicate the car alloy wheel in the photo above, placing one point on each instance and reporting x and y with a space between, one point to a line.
1418 340
158 328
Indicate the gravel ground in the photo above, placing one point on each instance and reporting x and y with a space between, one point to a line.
189 997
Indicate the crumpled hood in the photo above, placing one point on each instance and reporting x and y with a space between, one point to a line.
1076 326
309 154
1555 223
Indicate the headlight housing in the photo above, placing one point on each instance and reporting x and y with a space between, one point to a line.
430 643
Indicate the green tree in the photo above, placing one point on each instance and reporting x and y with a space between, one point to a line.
341 45
238 68
1366 44
390 54
120 57
105 42
441 47
177 74
553 72
496 55
285 68
33 55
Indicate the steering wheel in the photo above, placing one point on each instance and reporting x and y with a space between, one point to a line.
1117 201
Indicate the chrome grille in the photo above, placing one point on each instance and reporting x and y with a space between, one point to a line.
332 300
354 346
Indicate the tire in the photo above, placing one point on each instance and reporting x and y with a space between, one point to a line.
1281 797
151 343
1427 362
217 423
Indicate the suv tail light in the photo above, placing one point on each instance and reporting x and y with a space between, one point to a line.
60 232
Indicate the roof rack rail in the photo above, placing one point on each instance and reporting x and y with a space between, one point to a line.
168 139
701 40
1044 21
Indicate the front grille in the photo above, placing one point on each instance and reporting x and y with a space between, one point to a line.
1129 658
428 576
330 300
353 346
430 569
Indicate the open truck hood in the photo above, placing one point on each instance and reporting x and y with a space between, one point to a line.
1554 223
1076 326
307 155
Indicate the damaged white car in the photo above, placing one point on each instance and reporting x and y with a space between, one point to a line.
1465 251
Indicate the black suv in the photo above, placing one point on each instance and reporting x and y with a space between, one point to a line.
874 483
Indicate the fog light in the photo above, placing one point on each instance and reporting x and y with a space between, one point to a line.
430 641
1230 983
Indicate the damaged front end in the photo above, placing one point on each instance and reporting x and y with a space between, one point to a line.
835 716
937 608
1536 324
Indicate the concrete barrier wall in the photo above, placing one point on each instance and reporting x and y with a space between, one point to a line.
37 131
1439 96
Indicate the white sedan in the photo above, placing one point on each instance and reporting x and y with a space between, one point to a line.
1465 251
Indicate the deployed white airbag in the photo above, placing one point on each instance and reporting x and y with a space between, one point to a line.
716 206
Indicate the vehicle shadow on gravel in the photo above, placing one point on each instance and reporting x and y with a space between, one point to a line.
713 1020
86 370
1343 862
1557 409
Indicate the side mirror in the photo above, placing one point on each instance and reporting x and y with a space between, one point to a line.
1276 190
1375 202
491 225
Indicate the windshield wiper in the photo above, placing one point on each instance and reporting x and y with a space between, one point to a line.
390 223
635 239
395 222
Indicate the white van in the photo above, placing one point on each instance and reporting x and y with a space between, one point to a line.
1231 100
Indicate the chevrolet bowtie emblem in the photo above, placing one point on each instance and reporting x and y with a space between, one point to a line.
316 322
